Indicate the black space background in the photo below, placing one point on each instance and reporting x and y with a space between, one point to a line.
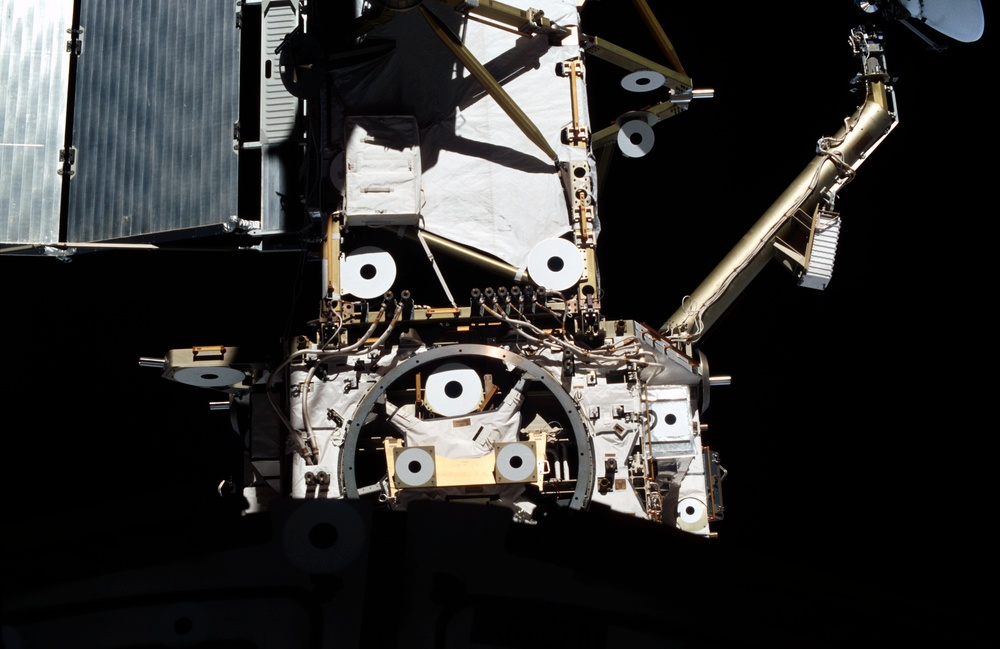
853 432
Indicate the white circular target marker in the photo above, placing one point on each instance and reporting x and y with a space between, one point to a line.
642 81
555 264
635 138
692 514
414 467
209 376
368 272
516 462
453 389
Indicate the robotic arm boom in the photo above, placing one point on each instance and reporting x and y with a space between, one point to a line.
799 223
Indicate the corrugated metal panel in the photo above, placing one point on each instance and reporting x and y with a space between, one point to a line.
157 95
279 111
822 252
35 68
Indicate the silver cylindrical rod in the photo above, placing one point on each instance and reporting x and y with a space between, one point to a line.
472 256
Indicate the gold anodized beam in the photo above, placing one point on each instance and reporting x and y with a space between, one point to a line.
490 84
661 36
633 62
526 21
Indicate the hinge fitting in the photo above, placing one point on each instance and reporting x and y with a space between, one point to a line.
68 159
75 44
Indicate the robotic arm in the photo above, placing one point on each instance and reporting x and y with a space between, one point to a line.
800 228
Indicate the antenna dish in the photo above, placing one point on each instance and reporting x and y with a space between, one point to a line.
962 20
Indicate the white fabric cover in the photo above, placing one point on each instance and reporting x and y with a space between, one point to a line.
467 436
484 183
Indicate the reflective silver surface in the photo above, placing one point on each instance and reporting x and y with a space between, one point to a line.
35 68
157 95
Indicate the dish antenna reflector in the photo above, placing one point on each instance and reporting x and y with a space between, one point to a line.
962 20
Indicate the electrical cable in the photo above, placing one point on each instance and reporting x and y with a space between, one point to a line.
269 385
